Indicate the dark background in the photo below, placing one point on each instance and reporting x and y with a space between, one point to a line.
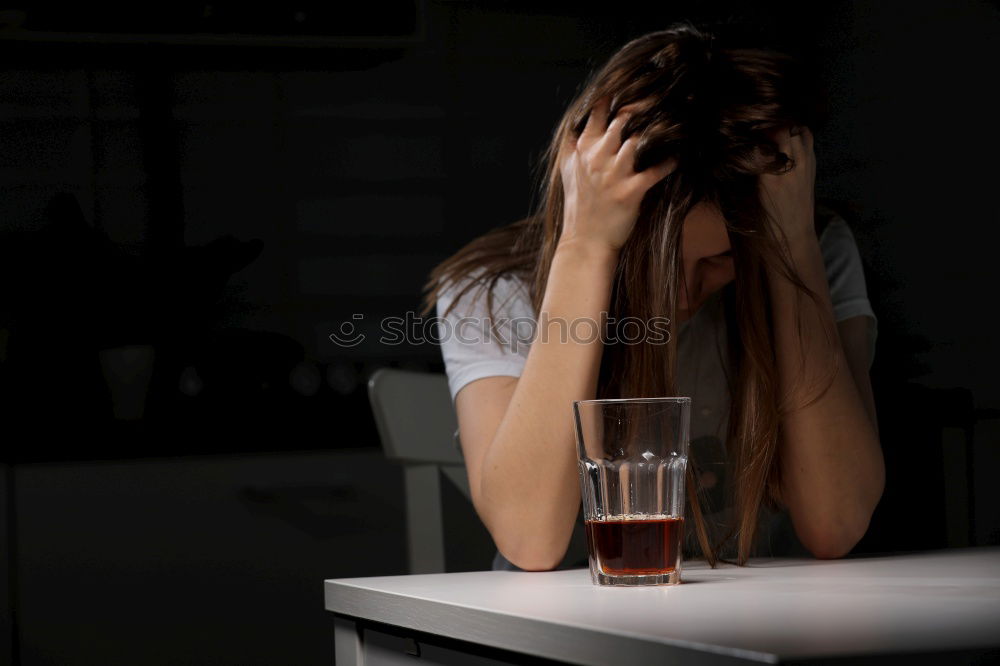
193 197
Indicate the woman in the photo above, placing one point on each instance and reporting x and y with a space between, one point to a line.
679 184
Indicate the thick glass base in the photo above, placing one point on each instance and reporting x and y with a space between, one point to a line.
669 578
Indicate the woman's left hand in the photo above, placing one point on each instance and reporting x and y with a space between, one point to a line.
789 197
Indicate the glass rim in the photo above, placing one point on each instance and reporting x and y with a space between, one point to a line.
600 401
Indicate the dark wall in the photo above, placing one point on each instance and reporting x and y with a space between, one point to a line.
358 169
183 225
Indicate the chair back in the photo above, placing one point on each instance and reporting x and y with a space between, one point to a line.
418 428
414 416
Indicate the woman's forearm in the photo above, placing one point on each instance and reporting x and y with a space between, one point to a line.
832 468
530 481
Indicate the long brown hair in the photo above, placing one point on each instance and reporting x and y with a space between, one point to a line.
709 103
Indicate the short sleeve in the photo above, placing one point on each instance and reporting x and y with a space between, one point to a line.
475 345
846 277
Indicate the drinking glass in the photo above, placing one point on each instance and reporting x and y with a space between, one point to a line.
633 457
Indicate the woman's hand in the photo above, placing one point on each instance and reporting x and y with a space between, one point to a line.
602 192
789 197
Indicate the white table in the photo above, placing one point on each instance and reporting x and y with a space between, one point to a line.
943 603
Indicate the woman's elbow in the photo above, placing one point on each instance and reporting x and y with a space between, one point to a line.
834 540
833 534
830 549
534 559
526 548
530 552
537 544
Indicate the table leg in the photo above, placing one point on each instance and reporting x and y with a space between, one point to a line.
347 642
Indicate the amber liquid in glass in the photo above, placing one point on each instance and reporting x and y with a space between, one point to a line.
626 547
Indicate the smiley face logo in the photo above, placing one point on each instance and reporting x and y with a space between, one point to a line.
347 334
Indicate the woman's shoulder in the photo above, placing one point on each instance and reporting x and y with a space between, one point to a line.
844 268
480 289
836 239
828 218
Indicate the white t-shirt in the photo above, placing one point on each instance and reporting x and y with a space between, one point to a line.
470 352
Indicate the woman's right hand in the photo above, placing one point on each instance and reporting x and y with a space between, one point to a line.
602 192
